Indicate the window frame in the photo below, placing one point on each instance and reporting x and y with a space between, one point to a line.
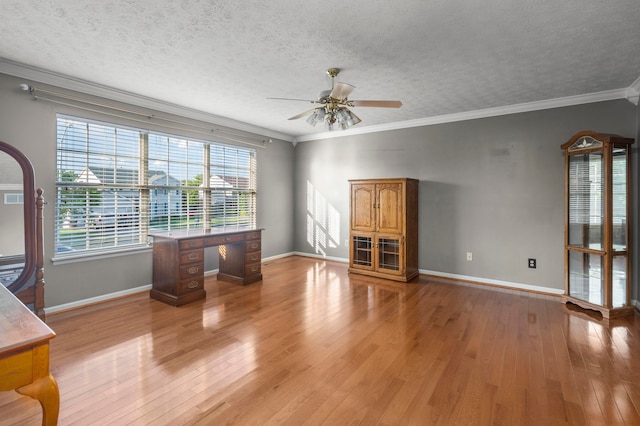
73 198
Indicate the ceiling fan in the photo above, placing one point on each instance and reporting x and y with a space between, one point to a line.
333 105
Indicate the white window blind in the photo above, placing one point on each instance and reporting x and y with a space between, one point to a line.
585 189
115 185
586 204
619 182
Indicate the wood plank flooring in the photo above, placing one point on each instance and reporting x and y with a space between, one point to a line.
312 344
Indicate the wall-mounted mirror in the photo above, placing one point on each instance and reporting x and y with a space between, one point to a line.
20 229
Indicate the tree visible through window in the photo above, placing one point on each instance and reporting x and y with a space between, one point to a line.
115 185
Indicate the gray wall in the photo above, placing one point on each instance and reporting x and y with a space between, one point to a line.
493 187
31 127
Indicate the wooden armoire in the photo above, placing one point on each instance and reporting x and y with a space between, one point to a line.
384 228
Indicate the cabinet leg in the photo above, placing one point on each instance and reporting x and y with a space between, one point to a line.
45 390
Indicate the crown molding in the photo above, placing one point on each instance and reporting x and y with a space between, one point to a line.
70 83
471 115
633 92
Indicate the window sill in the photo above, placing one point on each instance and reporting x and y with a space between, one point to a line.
83 257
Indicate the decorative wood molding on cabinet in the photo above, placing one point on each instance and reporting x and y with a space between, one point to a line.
384 228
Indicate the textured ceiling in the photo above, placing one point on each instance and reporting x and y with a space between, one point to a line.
227 57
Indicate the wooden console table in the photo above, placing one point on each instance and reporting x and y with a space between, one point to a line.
24 356
178 261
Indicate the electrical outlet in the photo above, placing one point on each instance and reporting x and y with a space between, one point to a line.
346 243
469 256
532 263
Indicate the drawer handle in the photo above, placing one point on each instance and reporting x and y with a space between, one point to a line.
254 257
193 270
193 256
254 268
193 284
228 239
254 245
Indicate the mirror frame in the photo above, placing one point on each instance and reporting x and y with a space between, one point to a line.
29 212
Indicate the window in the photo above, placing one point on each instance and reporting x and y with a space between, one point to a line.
115 185
14 198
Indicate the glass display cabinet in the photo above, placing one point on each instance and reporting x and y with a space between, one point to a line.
597 213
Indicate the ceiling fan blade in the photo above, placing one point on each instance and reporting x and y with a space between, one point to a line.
341 90
379 104
302 114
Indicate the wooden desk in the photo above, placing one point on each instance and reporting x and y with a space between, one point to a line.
24 356
178 261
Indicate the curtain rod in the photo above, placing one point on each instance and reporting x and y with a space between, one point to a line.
190 127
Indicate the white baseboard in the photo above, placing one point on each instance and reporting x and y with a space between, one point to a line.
503 284
97 299
320 256
276 257
497 283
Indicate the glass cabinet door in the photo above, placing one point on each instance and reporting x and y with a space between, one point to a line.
380 253
619 281
389 253
585 277
586 226
362 251
619 236
586 201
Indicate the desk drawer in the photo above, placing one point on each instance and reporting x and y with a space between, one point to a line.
253 257
253 269
223 239
190 284
192 271
191 256
253 245
191 244
254 235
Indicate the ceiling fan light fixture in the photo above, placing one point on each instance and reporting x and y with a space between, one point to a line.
343 118
329 125
348 117
340 118
316 117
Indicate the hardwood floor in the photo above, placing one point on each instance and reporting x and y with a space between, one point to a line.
312 344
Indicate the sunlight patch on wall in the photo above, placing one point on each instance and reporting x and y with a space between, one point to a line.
323 222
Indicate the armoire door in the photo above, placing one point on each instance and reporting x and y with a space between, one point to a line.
389 207
363 200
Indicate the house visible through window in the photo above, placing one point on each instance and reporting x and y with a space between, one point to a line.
115 185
